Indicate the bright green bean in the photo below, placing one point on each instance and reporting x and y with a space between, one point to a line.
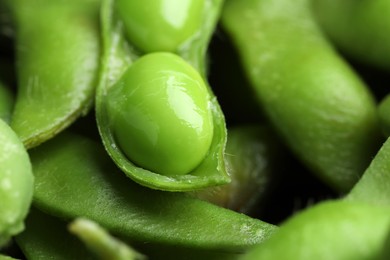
16 183
161 117
57 52
318 104
160 25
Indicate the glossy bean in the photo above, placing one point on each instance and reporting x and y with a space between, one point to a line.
160 114
57 53
68 187
203 165
319 105
160 25
16 183
358 28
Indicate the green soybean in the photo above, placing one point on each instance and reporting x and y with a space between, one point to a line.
359 29
334 230
187 143
16 183
160 25
57 55
160 108
319 105
93 187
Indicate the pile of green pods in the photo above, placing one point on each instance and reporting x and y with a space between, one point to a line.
194 129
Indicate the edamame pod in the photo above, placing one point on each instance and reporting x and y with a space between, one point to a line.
16 183
158 118
57 44
334 230
132 212
321 108
359 29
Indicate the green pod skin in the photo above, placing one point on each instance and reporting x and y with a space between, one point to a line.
321 108
333 230
253 156
16 183
195 162
68 187
160 113
360 29
57 64
160 25
374 185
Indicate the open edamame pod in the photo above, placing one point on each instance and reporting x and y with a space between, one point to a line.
57 44
16 183
156 114
321 108
93 187
359 29
333 230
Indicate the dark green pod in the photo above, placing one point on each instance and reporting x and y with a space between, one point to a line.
153 118
57 52
93 187
322 109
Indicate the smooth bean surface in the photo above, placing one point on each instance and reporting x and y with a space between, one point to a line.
161 117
